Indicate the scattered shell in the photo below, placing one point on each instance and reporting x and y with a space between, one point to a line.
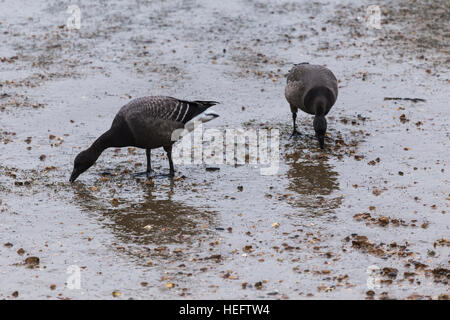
116 294
32 261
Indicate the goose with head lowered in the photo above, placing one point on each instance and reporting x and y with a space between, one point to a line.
146 123
312 89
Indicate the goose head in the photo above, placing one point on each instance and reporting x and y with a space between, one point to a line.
83 161
320 127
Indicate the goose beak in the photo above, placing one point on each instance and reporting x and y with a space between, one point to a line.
74 175
321 139
321 142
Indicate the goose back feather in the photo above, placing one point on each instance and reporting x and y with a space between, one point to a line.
306 80
152 120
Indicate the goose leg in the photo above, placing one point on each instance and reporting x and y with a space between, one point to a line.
149 165
169 155
295 132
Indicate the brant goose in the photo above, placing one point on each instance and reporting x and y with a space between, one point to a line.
146 123
314 90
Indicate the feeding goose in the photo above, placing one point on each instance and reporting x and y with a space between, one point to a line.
312 89
146 123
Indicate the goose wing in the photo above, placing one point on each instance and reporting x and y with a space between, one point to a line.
164 108
152 120
304 77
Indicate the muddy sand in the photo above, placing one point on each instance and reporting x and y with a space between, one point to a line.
367 218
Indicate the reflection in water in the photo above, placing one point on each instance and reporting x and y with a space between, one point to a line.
311 177
155 219
312 180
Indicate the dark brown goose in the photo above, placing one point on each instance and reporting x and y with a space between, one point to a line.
312 89
146 123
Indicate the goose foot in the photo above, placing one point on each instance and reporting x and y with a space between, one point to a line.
145 173
164 175
295 133
171 174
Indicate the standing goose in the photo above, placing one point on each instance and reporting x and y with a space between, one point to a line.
314 90
146 123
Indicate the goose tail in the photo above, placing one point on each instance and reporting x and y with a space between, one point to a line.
206 103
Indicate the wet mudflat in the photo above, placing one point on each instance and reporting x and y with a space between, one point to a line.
365 219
